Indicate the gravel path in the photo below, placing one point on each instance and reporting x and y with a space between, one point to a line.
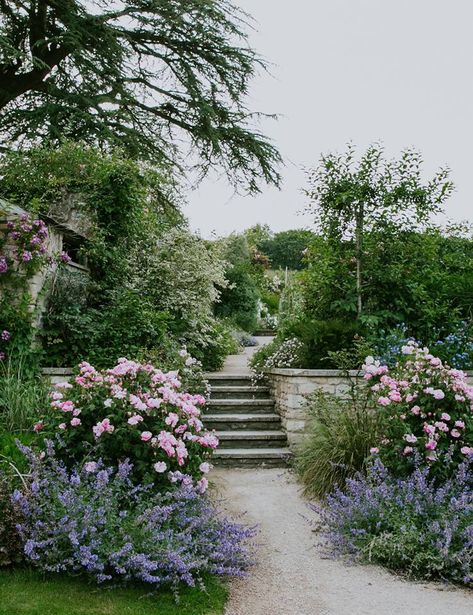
292 578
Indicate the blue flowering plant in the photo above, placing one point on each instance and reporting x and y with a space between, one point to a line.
413 525
456 348
94 521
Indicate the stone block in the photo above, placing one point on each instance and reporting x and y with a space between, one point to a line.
295 426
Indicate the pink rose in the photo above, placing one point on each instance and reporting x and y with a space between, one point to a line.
438 394
172 419
62 426
135 419
455 433
384 401
202 485
160 467
415 410
146 436
467 450
75 422
410 437
431 445
38 426
204 467
460 424
407 450
445 416
103 426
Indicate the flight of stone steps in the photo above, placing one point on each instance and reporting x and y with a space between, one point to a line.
248 428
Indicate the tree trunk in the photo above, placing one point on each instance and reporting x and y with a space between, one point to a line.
359 215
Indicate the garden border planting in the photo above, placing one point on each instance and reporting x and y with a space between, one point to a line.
290 387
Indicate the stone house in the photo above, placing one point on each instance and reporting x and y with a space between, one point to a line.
68 229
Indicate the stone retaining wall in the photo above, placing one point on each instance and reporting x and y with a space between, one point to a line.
290 387
57 374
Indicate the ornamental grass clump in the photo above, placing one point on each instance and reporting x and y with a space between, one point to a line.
415 525
340 434
426 411
133 411
94 521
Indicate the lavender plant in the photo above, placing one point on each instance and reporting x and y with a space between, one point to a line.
414 525
94 521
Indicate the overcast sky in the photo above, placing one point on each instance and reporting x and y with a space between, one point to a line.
400 71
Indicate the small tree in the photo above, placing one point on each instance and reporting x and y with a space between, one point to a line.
349 197
147 75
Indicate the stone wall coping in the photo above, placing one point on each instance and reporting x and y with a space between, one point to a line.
321 373
311 373
57 371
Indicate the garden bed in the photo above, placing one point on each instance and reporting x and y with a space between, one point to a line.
290 388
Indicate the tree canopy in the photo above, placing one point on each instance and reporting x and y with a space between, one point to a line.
163 79
349 197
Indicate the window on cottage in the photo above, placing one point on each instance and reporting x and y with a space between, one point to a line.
73 246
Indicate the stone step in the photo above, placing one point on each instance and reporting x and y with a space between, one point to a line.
229 422
239 392
222 379
237 406
251 439
252 457
265 333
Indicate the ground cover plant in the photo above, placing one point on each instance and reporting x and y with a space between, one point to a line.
414 525
94 521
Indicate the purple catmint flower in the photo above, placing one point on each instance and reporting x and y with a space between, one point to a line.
379 512
5 335
164 537
3 264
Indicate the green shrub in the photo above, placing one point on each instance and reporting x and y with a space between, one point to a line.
341 433
216 344
125 325
271 300
319 338
239 300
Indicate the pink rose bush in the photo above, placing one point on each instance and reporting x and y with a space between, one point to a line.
427 409
133 411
